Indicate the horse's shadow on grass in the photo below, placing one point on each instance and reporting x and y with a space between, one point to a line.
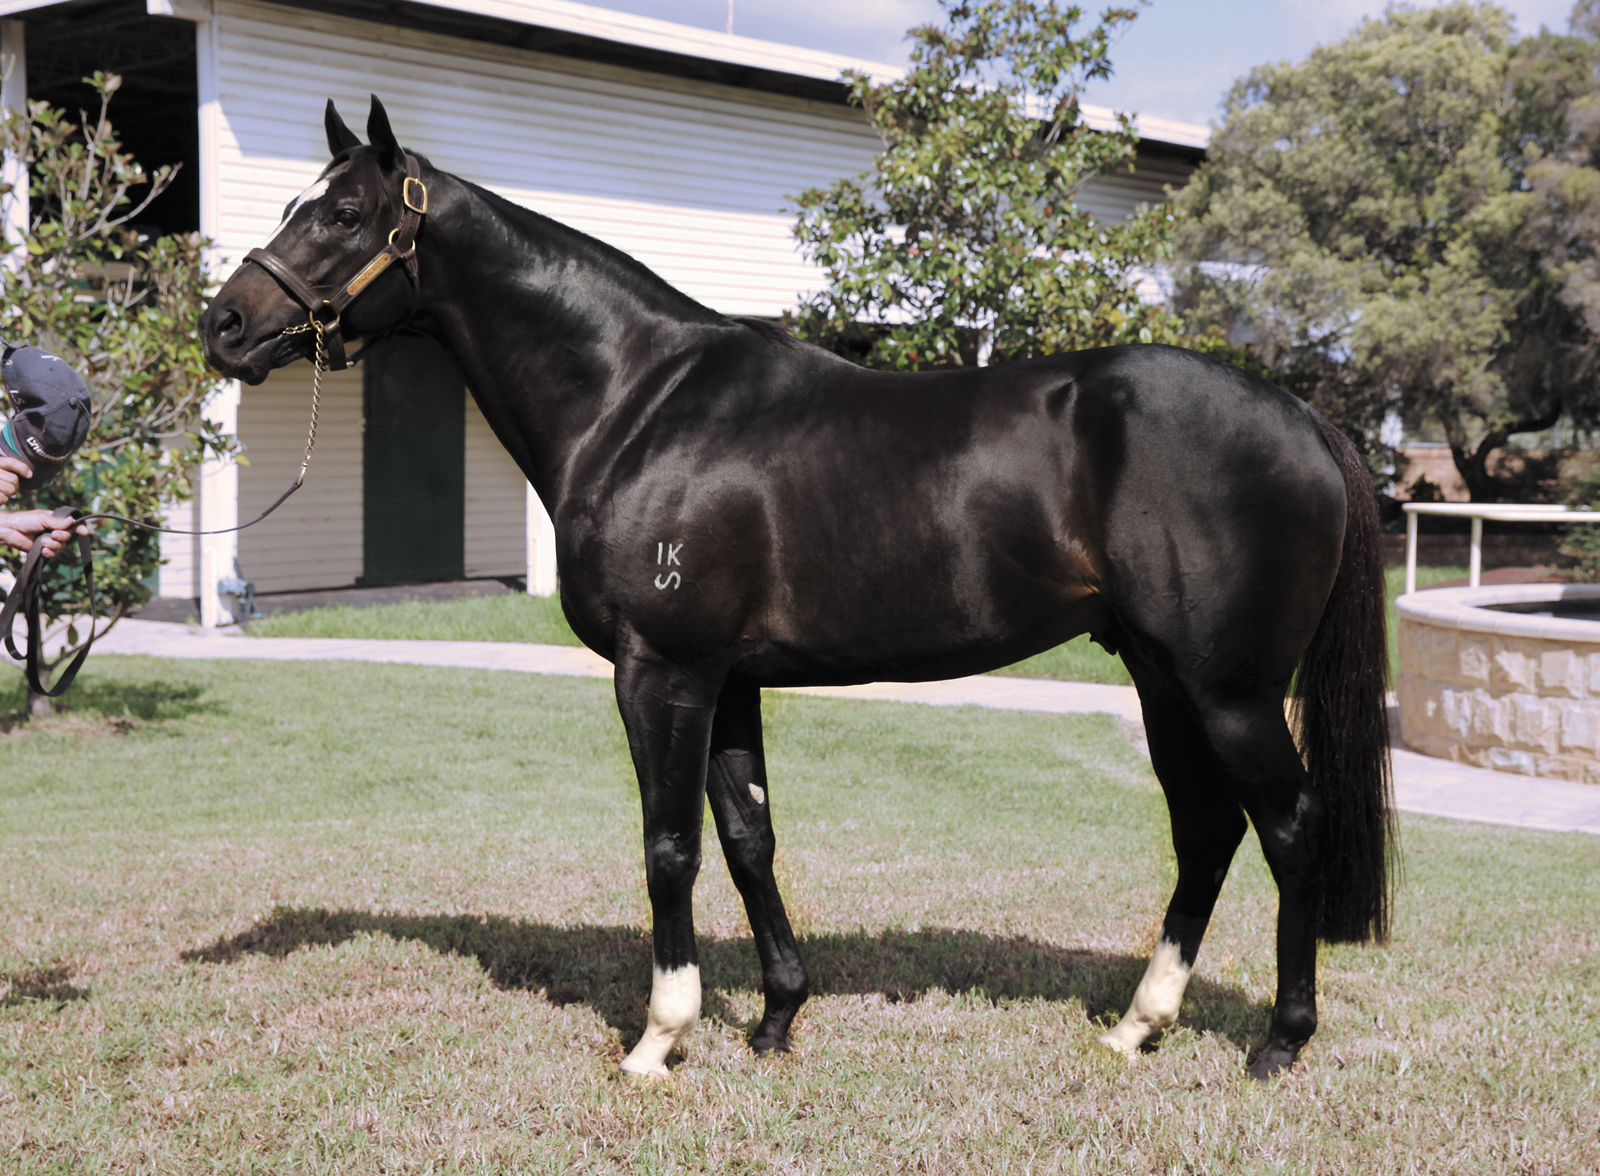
48 986
608 968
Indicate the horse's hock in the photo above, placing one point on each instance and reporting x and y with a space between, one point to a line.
1512 690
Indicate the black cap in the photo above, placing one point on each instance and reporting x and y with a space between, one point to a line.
49 412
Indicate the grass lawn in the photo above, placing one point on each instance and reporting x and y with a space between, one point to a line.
512 617
351 918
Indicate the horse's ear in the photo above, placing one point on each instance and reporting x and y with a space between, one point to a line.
340 137
382 136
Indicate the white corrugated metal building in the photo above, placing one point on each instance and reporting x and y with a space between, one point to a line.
678 145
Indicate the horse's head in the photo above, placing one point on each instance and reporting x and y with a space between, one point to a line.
330 258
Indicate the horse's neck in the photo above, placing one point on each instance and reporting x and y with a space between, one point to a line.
555 331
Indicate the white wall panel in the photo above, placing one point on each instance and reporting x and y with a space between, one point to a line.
316 538
1115 197
178 551
692 179
496 527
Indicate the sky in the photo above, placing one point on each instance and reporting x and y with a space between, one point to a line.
1176 61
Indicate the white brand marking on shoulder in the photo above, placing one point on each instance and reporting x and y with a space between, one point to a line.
667 553
758 794
318 189
674 1008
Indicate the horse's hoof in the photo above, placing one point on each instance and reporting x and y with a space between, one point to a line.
1273 1061
767 1047
1125 1042
1116 1045
638 1073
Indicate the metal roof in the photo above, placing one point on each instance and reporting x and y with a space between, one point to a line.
588 32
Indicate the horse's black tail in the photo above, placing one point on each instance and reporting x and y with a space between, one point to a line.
1343 722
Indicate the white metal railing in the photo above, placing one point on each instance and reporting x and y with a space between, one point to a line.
1477 512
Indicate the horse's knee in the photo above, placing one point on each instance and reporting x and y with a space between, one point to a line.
744 822
671 864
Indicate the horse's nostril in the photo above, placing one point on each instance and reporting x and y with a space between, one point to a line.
230 325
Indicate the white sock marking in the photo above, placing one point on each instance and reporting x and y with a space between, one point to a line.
674 1008
1155 1002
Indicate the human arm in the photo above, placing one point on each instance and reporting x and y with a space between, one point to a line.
18 529
12 471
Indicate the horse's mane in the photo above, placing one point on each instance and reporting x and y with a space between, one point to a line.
608 257
771 331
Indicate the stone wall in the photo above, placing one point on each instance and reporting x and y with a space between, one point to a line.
1500 690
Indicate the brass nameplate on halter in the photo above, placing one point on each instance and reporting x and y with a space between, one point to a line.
405 194
374 267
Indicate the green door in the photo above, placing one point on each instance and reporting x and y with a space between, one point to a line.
415 454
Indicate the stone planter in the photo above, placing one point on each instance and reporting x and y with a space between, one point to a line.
1501 690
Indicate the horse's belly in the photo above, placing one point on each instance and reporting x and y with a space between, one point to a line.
877 645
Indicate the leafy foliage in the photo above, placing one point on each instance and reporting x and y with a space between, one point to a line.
1581 546
963 244
123 310
1393 224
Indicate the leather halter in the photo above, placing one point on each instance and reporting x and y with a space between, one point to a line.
327 309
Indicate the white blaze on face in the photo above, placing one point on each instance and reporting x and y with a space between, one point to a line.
674 1008
1155 1002
318 189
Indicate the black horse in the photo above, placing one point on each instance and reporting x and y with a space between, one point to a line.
735 509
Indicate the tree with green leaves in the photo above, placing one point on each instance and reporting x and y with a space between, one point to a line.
964 245
122 309
1377 222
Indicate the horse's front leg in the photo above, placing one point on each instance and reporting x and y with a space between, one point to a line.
737 787
668 714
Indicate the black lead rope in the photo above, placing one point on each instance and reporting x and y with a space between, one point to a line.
24 596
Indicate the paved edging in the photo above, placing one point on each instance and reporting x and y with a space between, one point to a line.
1423 784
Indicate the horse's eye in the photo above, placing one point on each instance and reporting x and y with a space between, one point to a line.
347 218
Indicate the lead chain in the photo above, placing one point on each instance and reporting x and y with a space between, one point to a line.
312 324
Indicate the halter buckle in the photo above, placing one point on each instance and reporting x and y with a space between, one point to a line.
405 195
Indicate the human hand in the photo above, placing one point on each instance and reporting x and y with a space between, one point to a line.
12 471
18 529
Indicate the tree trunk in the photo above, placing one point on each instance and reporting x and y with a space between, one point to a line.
1473 464
40 706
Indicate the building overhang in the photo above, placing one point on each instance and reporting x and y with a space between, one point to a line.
588 33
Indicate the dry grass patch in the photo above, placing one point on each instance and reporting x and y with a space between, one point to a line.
346 918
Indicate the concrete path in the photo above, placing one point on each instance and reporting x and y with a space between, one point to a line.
1422 784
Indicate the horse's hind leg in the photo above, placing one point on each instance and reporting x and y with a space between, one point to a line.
1266 773
1207 825
736 785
